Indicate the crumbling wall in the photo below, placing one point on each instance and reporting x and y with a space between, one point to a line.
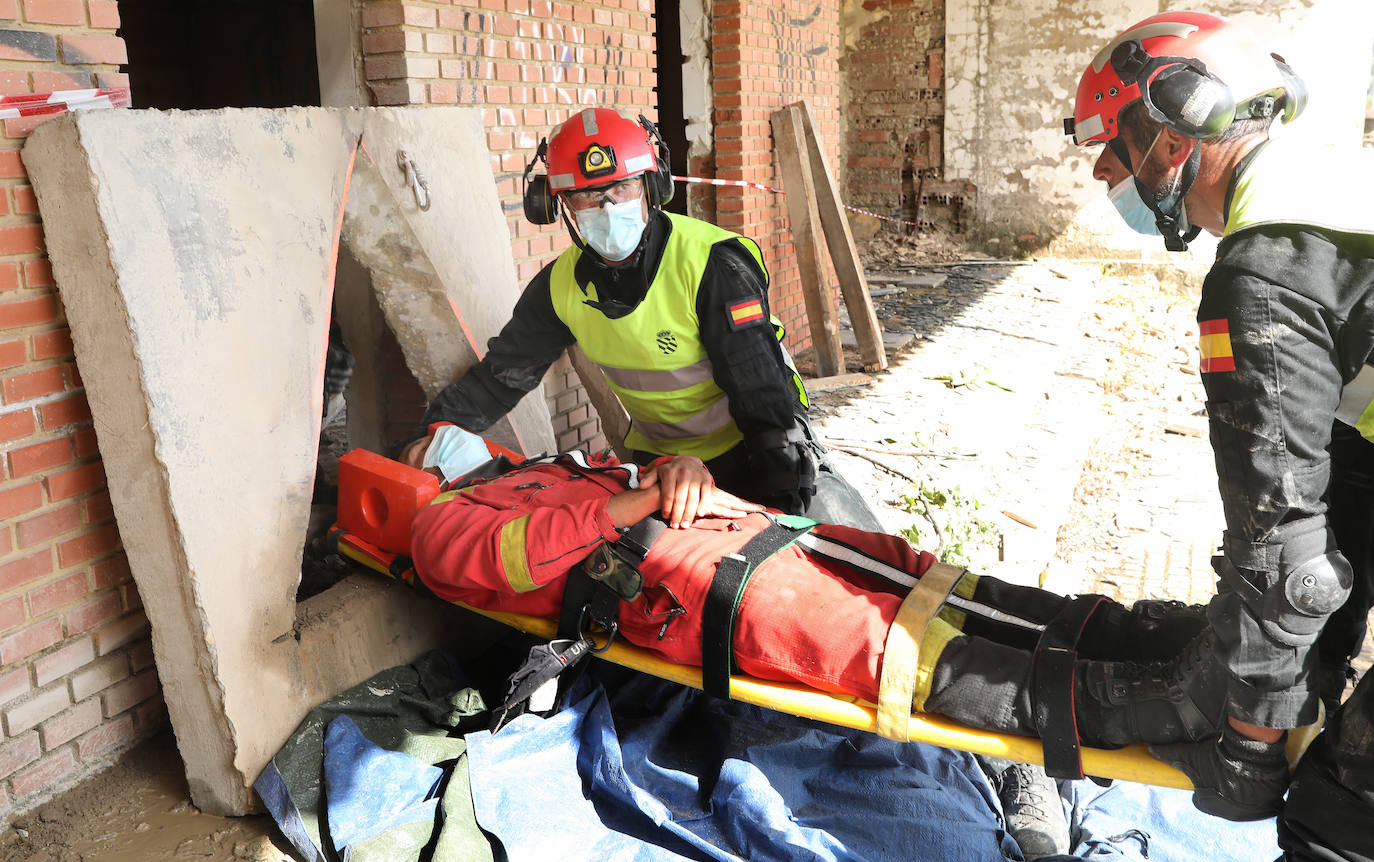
893 69
1012 67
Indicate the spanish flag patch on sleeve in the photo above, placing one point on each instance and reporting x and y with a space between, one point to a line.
1214 345
746 313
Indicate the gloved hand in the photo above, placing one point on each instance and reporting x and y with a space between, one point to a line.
1234 777
786 477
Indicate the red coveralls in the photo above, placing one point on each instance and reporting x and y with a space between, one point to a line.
508 544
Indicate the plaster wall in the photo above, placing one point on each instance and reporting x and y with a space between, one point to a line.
194 253
1013 66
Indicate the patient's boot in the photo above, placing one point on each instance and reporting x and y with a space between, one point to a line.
1149 630
1118 703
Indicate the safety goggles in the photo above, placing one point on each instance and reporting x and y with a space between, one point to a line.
630 189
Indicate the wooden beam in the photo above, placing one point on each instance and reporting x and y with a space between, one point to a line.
790 139
615 422
840 240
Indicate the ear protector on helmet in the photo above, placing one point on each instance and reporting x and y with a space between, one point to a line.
1177 91
661 183
540 204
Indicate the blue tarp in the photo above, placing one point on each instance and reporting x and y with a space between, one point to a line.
639 769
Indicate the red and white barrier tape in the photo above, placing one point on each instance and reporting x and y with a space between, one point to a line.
748 185
39 104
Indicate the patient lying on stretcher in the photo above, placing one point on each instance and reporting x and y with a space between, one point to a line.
813 603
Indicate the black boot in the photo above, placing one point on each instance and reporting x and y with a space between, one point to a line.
1031 806
1118 703
1149 630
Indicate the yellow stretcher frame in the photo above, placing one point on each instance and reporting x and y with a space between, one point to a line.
1131 763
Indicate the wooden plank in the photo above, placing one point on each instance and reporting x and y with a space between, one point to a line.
790 140
821 384
615 422
840 240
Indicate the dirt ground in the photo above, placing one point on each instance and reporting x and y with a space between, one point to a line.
1041 420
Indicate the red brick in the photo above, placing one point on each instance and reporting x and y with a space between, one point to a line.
111 79
81 49
131 692
117 634
112 572
32 384
20 127
141 655
14 684
85 547
40 456
70 724
382 14
67 411
5 544
24 498
13 353
24 239
26 570
11 615
51 771
16 424
10 163
51 345
84 443
25 203
57 594
104 14
97 508
14 83
64 662
26 312
44 527
54 11
9 276
111 736
85 478
38 273
98 675
18 753
51 81
98 610
27 46
26 642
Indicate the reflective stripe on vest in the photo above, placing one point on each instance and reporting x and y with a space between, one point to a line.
653 357
1357 403
1292 182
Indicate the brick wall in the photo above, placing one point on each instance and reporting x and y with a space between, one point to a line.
766 55
77 682
894 138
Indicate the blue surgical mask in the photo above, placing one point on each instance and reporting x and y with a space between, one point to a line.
455 452
612 229
1125 196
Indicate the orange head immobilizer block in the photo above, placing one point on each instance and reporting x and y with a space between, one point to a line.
378 498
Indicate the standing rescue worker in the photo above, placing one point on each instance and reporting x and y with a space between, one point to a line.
1184 103
673 310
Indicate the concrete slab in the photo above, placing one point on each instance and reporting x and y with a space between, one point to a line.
193 252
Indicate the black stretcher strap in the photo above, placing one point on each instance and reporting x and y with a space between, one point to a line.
722 602
1056 654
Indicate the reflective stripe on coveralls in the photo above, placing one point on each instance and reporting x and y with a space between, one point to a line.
653 357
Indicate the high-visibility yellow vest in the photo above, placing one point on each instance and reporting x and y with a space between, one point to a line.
1291 182
653 357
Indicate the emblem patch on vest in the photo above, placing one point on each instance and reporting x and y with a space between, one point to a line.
667 342
747 313
1214 346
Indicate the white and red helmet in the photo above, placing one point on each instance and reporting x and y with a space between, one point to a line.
1200 73
597 147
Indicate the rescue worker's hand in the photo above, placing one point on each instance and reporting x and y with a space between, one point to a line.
687 492
1234 777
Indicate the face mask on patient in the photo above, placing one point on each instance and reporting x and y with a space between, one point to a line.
455 452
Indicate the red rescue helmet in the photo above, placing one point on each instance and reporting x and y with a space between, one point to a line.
594 148
1200 73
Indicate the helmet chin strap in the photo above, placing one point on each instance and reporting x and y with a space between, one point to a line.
1172 225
